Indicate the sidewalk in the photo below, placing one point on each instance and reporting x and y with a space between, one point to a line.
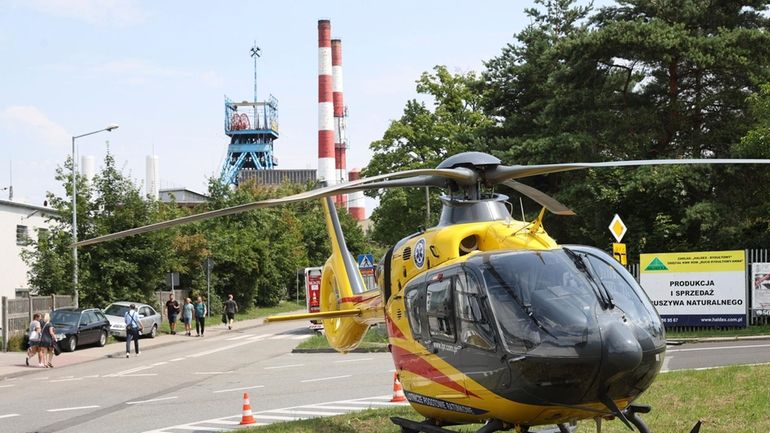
12 363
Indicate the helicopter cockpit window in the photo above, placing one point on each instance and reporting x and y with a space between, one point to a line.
538 296
473 324
625 292
438 301
411 298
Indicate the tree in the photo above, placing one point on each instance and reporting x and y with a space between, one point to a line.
422 138
131 268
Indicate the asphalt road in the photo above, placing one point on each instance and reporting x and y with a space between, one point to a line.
199 385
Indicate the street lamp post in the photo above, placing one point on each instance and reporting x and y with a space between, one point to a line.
75 212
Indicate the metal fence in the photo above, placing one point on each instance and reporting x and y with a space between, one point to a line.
17 313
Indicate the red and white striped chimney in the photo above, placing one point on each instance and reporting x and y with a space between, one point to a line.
356 207
340 135
325 105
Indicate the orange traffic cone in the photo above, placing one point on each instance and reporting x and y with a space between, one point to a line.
247 418
398 392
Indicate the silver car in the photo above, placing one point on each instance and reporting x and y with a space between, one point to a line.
150 318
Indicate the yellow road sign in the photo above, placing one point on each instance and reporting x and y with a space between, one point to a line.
617 228
619 252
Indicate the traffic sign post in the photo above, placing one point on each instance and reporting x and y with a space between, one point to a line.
619 252
618 230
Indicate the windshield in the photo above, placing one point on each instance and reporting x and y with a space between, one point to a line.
116 310
539 297
65 317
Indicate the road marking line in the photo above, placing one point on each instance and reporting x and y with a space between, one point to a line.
41 378
316 406
240 337
138 375
379 403
284 366
160 363
305 412
64 409
300 337
260 337
695 349
66 380
353 360
223 421
212 372
6 386
93 376
277 417
10 415
325 378
178 359
277 337
239 389
220 349
151 400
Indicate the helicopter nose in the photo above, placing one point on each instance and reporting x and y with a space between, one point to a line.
621 351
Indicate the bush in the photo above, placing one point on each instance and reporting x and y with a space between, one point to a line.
17 343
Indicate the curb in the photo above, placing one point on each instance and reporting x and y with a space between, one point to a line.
685 340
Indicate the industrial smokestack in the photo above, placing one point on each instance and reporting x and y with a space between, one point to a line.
356 207
88 167
152 182
326 162
340 134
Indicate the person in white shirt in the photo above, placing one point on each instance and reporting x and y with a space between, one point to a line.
133 329
34 339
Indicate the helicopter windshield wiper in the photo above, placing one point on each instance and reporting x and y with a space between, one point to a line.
526 306
600 290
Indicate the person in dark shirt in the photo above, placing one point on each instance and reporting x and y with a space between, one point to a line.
172 310
231 307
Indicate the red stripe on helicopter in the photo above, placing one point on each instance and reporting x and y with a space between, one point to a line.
393 330
356 299
415 364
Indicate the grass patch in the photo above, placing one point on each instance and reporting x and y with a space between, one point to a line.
728 400
375 338
730 332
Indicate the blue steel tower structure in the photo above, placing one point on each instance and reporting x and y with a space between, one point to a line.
252 128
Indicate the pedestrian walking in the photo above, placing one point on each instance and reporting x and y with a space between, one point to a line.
133 329
187 315
47 341
33 339
200 317
172 310
230 307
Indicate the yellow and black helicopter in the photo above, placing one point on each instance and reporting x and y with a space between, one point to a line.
489 319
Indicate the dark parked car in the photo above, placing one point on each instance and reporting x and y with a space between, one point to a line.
77 327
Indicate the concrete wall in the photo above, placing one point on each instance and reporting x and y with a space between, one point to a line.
13 270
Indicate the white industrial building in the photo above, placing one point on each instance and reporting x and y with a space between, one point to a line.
19 224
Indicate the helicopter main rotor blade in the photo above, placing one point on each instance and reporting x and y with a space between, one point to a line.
356 185
545 200
503 172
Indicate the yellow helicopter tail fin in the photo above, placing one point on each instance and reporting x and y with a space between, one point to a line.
347 308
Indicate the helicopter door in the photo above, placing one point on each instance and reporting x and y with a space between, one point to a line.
441 337
479 357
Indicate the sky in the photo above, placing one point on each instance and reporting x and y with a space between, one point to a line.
161 70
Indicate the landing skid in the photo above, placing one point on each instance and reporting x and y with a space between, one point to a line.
409 426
